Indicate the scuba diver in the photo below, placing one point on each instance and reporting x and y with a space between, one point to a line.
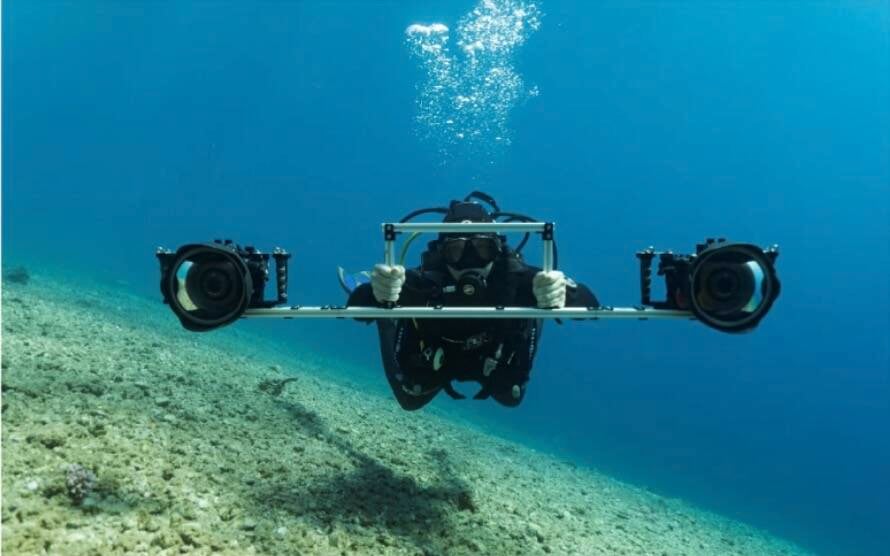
727 286
421 357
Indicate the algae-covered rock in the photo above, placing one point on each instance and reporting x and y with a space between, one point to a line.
79 483
17 275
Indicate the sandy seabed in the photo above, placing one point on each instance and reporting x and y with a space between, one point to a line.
194 452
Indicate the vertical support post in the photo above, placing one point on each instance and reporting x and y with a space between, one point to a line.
389 240
547 236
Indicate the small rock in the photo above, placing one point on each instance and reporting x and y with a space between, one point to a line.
17 275
165 539
334 540
465 501
79 482
149 525
51 441
281 532
189 536
475 545
534 531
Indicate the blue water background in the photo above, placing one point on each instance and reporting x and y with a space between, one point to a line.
129 125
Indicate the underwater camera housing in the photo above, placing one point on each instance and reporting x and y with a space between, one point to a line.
208 285
727 286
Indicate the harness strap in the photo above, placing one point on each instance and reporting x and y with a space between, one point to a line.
502 336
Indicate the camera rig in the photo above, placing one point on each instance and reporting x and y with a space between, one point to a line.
727 286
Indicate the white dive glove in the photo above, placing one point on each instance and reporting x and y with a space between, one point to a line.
387 281
550 289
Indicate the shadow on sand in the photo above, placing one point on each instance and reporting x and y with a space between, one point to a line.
372 495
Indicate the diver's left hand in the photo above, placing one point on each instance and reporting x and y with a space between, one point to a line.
550 289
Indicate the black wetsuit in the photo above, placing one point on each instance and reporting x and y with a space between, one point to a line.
496 353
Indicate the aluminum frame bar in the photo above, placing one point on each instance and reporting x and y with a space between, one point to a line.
593 313
468 227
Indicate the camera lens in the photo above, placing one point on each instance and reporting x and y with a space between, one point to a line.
732 286
723 284
212 285
215 284
728 286
208 286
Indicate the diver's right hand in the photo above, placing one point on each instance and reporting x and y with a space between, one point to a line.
386 282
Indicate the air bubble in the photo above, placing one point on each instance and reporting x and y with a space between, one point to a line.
464 103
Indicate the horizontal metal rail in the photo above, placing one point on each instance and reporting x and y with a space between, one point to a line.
593 313
389 253
470 227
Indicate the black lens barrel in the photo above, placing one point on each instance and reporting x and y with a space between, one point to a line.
207 285
732 286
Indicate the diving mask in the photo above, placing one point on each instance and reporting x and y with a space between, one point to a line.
469 252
